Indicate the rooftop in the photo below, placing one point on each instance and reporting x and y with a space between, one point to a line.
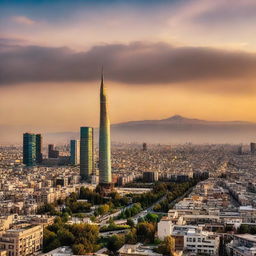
138 249
249 237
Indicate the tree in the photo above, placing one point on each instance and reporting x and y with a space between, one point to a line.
49 237
92 196
47 208
131 237
58 220
65 237
157 208
141 219
65 217
115 242
243 229
151 217
167 246
136 208
103 209
146 232
85 231
52 245
78 249
92 218
130 222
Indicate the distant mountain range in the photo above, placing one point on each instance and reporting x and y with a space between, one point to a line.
173 130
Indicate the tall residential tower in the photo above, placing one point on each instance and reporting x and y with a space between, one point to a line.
104 139
86 152
75 152
39 156
32 147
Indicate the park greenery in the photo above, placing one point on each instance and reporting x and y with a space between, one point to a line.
82 202
166 247
131 211
113 227
173 191
79 203
247 229
143 232
84 238
70 205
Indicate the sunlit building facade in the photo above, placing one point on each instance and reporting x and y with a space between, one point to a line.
29 149
32 149
104 139
75 152
86 152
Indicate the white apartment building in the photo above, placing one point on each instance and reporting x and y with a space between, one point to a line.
242 245
194 238
198 241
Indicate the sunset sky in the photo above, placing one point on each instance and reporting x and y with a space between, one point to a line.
196 58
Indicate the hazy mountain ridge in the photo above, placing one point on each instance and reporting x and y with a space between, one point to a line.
175 129
178 129
180 119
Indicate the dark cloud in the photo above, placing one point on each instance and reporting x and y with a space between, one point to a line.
241 14
136 63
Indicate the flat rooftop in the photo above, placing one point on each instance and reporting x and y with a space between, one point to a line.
249 237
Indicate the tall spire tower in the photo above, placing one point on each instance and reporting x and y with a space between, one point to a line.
104 138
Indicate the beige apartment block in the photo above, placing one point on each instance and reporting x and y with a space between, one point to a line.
22 241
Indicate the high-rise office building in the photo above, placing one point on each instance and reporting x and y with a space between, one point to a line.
32 146
74 152
39 156
150 176
104 139
86 152
52 152
253 147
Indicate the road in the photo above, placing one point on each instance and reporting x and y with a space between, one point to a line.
109 233
148 210
104 219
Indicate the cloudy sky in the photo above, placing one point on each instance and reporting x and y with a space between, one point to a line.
195 58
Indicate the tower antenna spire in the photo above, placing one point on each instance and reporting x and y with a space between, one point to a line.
102 74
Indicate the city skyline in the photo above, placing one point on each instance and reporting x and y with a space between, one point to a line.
169 61
157 159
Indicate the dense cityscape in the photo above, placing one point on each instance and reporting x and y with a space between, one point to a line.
127 128
131 199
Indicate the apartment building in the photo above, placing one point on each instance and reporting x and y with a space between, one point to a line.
188 237
199 241
22 240
242 245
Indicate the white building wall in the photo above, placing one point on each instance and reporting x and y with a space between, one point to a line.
200 243
164 229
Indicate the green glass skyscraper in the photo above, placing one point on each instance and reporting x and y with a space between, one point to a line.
104 139
86 152
74 152
32 149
